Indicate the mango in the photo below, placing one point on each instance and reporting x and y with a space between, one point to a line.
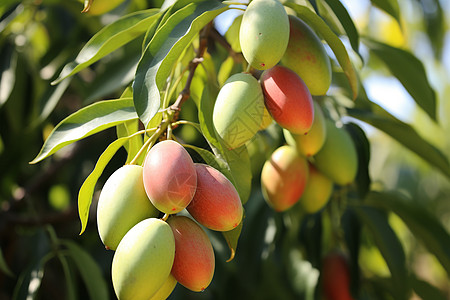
266 119
283 178
167 288
287 99
335 276
122 204
216 203
309 144
194 262
317 191
306 55
170 179
143 260
238 111
264 33
338 158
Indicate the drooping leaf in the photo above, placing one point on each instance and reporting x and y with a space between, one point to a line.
212 160
8 64
232 238
347 22
389 245
422 224
336 45
164 49
87 189
89 270
402 132
409 71
389 6
71 293
426 290
434 18
85 122
110 38
135 143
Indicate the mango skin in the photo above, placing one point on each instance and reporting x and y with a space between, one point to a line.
335 275
169 177
194 262
167 288
317 192
238 111
338 158
309 144
264 33
122 204
287 99
216 203
306 55
283 178
143 260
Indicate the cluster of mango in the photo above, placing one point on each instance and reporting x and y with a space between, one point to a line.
293 67
152 254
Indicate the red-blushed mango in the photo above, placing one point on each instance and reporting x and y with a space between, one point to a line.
287 99
167 288
309 144
306 55
194 262
122 204
239 109
335 277
317 191
264 33
143 260
170 179
337 159
216 203
283 178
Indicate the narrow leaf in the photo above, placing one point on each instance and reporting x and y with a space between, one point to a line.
426 291
135 143
388 244
333 41
110 38
85 122
422 224
8 63
232 238
164 49
87 189
409 71
90 272
389 6
404 134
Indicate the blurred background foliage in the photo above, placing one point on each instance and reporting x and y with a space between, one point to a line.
43 257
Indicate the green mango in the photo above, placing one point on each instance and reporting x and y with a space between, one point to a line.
167 288
338 158
143 260
122 204
264 33
239 109
309 144
317 192
306 55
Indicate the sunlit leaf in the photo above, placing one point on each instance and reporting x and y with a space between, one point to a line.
391 7
85 122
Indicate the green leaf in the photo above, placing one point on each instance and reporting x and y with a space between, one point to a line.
409 71
4 266
376 116
85 122
87 189
389 6
347 22
212 160
239 162
135 143
425 290
336 45
164 49
422 224
232 238
389 245
90 272
8 64
110 38
68 276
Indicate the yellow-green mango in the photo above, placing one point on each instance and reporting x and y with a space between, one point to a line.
266 119
166 289
238 111
122 204
143 260
317 191
309 144
264 33
306 55
338 158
